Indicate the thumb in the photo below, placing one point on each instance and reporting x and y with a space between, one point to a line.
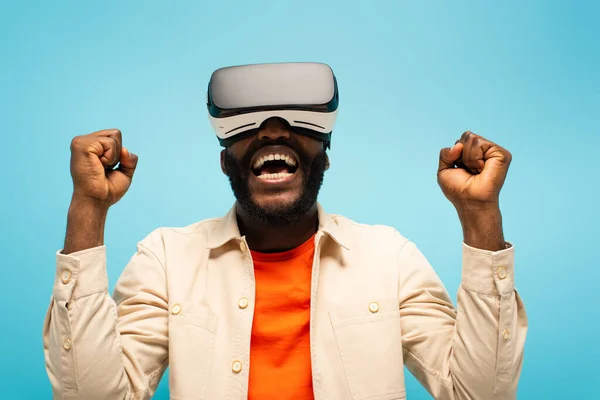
449 156
127 162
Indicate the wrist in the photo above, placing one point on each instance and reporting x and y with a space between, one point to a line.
86 219
483 217
468 207
81 203
482 228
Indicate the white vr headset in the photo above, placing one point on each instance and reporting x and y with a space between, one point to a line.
241 98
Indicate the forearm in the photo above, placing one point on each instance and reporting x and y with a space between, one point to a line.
473 351
487 347
491 324
482 227
99 347
83 354
82 350
85 224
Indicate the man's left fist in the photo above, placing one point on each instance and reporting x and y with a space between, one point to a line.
472 172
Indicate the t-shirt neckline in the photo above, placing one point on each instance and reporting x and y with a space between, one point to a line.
284 255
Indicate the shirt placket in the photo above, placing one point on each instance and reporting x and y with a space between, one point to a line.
240 364
315 366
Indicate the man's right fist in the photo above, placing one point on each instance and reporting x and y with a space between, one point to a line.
93 161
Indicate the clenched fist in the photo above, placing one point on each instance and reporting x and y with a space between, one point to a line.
471 175
93 161
473 171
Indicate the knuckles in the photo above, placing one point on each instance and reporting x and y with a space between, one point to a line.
507 156
118 134
82 143
477 142
76 143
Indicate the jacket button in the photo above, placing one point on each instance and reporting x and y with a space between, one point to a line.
243 303
236 367
501 272
176 309
65 276
67 344
373 307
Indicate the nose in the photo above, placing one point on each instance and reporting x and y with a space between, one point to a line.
273 129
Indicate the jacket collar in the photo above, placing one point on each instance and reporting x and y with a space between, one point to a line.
227 229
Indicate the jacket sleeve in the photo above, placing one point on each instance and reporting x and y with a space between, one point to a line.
476 350
97 347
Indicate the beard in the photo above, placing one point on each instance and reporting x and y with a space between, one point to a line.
313 172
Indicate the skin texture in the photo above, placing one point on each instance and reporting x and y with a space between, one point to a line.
97 185
470 174
276 217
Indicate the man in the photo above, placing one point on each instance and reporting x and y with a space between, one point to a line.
278 299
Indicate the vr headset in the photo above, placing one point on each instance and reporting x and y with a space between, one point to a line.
241 98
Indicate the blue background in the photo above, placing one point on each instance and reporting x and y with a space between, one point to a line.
413 76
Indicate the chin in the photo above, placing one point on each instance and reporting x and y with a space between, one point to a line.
275 204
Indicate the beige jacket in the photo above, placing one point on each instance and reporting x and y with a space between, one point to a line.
185 300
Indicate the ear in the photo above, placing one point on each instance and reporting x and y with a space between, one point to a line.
223 165
327 165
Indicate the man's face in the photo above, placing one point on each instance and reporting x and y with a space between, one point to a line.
276 174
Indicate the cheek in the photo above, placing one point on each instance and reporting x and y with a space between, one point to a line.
233 157
310 145
232 166
238 149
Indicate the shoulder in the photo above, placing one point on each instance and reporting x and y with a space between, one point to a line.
361 234
196 233
190 230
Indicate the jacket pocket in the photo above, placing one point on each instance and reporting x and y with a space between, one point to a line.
192 330
369 340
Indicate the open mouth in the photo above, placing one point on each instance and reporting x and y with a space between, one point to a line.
274 166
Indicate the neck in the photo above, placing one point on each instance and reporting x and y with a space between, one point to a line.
271 239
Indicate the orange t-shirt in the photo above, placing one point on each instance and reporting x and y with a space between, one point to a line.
280 365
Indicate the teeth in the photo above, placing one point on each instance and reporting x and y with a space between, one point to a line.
289 160
272 177
272 157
